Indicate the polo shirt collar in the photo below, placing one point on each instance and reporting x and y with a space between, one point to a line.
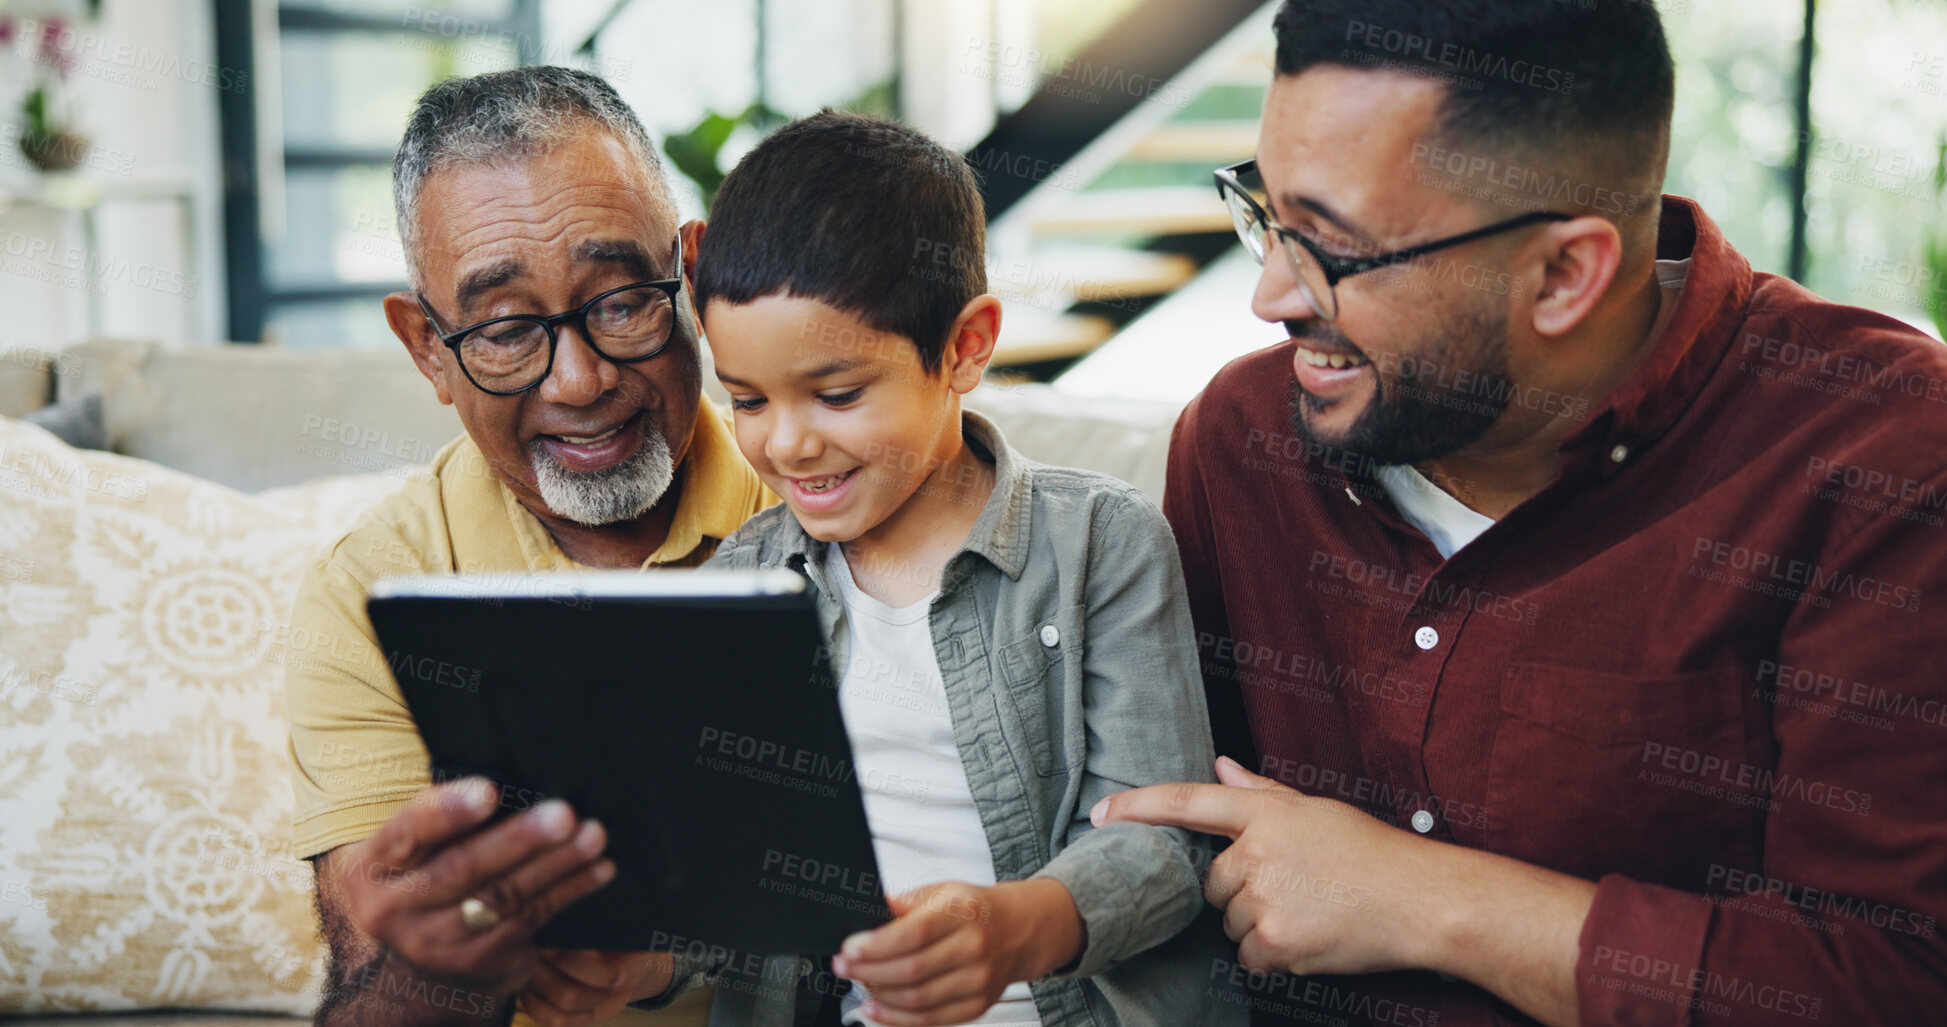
717 485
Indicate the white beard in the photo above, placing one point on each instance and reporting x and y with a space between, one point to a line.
620 493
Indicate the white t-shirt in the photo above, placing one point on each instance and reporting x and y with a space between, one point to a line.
917 801
1449 523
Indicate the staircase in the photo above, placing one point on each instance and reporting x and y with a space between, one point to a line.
1130 219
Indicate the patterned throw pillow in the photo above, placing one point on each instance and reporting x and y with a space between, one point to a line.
145 800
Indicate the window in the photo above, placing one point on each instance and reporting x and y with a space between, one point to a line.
313 241
1865 171
1873 198
1831 178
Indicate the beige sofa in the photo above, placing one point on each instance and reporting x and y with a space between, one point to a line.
255 418
145 861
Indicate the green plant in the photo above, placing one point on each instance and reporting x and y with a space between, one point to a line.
39 133
695 152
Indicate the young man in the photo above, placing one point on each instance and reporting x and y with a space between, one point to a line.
1603 570
1012 639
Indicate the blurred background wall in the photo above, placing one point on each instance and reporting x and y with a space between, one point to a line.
231 156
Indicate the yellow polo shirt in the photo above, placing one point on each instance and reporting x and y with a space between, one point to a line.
356 756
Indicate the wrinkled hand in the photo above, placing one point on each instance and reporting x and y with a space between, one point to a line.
955 947
571 987
1309 885
404 885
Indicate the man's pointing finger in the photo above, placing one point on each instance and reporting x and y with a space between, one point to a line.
1208 808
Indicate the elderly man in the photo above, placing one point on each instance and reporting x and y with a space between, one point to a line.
1601 571
550 310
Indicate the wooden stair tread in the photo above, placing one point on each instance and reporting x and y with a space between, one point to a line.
1079 273
1031 335
1148 212
1216 143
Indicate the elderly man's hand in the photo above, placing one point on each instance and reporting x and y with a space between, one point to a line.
1310 885
406 885
572 987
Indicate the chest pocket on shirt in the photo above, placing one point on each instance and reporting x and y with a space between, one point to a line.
1034 669
1595 772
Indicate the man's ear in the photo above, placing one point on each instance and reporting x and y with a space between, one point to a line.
1578 264
689 320
692 233
970 345
409 323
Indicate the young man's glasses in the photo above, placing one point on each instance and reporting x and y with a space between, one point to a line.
509 355
1317 272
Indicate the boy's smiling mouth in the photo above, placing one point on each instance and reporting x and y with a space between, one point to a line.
822 484
820 493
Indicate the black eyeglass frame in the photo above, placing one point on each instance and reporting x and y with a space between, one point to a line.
1337 269
552 323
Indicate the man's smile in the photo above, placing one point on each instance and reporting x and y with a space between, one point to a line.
587 440
1327 372
597 447
1333 359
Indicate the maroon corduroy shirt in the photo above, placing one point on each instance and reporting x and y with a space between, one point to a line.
1706 667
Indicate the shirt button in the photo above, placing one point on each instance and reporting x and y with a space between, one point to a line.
1619 454
1422 821
1049 635
1426 638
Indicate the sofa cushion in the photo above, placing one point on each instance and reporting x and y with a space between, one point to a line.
77 422
1128 439
255 417
145 803
26 379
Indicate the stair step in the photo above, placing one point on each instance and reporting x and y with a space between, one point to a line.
1146 213
1057 276
1148 359
1031 334
1216 143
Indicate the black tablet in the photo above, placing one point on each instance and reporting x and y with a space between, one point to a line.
693 713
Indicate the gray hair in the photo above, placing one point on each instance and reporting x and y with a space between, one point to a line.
506 115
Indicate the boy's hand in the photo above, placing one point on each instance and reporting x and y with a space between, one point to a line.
571 987
955 947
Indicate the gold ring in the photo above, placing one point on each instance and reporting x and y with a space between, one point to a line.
477 915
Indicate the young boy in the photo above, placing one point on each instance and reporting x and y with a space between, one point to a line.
1012 639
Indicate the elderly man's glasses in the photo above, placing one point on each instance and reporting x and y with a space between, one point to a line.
509 355
1317 272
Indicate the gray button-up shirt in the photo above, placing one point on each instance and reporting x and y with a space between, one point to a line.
1064 640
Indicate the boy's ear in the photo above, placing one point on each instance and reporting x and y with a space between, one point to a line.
692 233
970 345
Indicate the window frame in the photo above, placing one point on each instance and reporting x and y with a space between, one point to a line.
252 298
